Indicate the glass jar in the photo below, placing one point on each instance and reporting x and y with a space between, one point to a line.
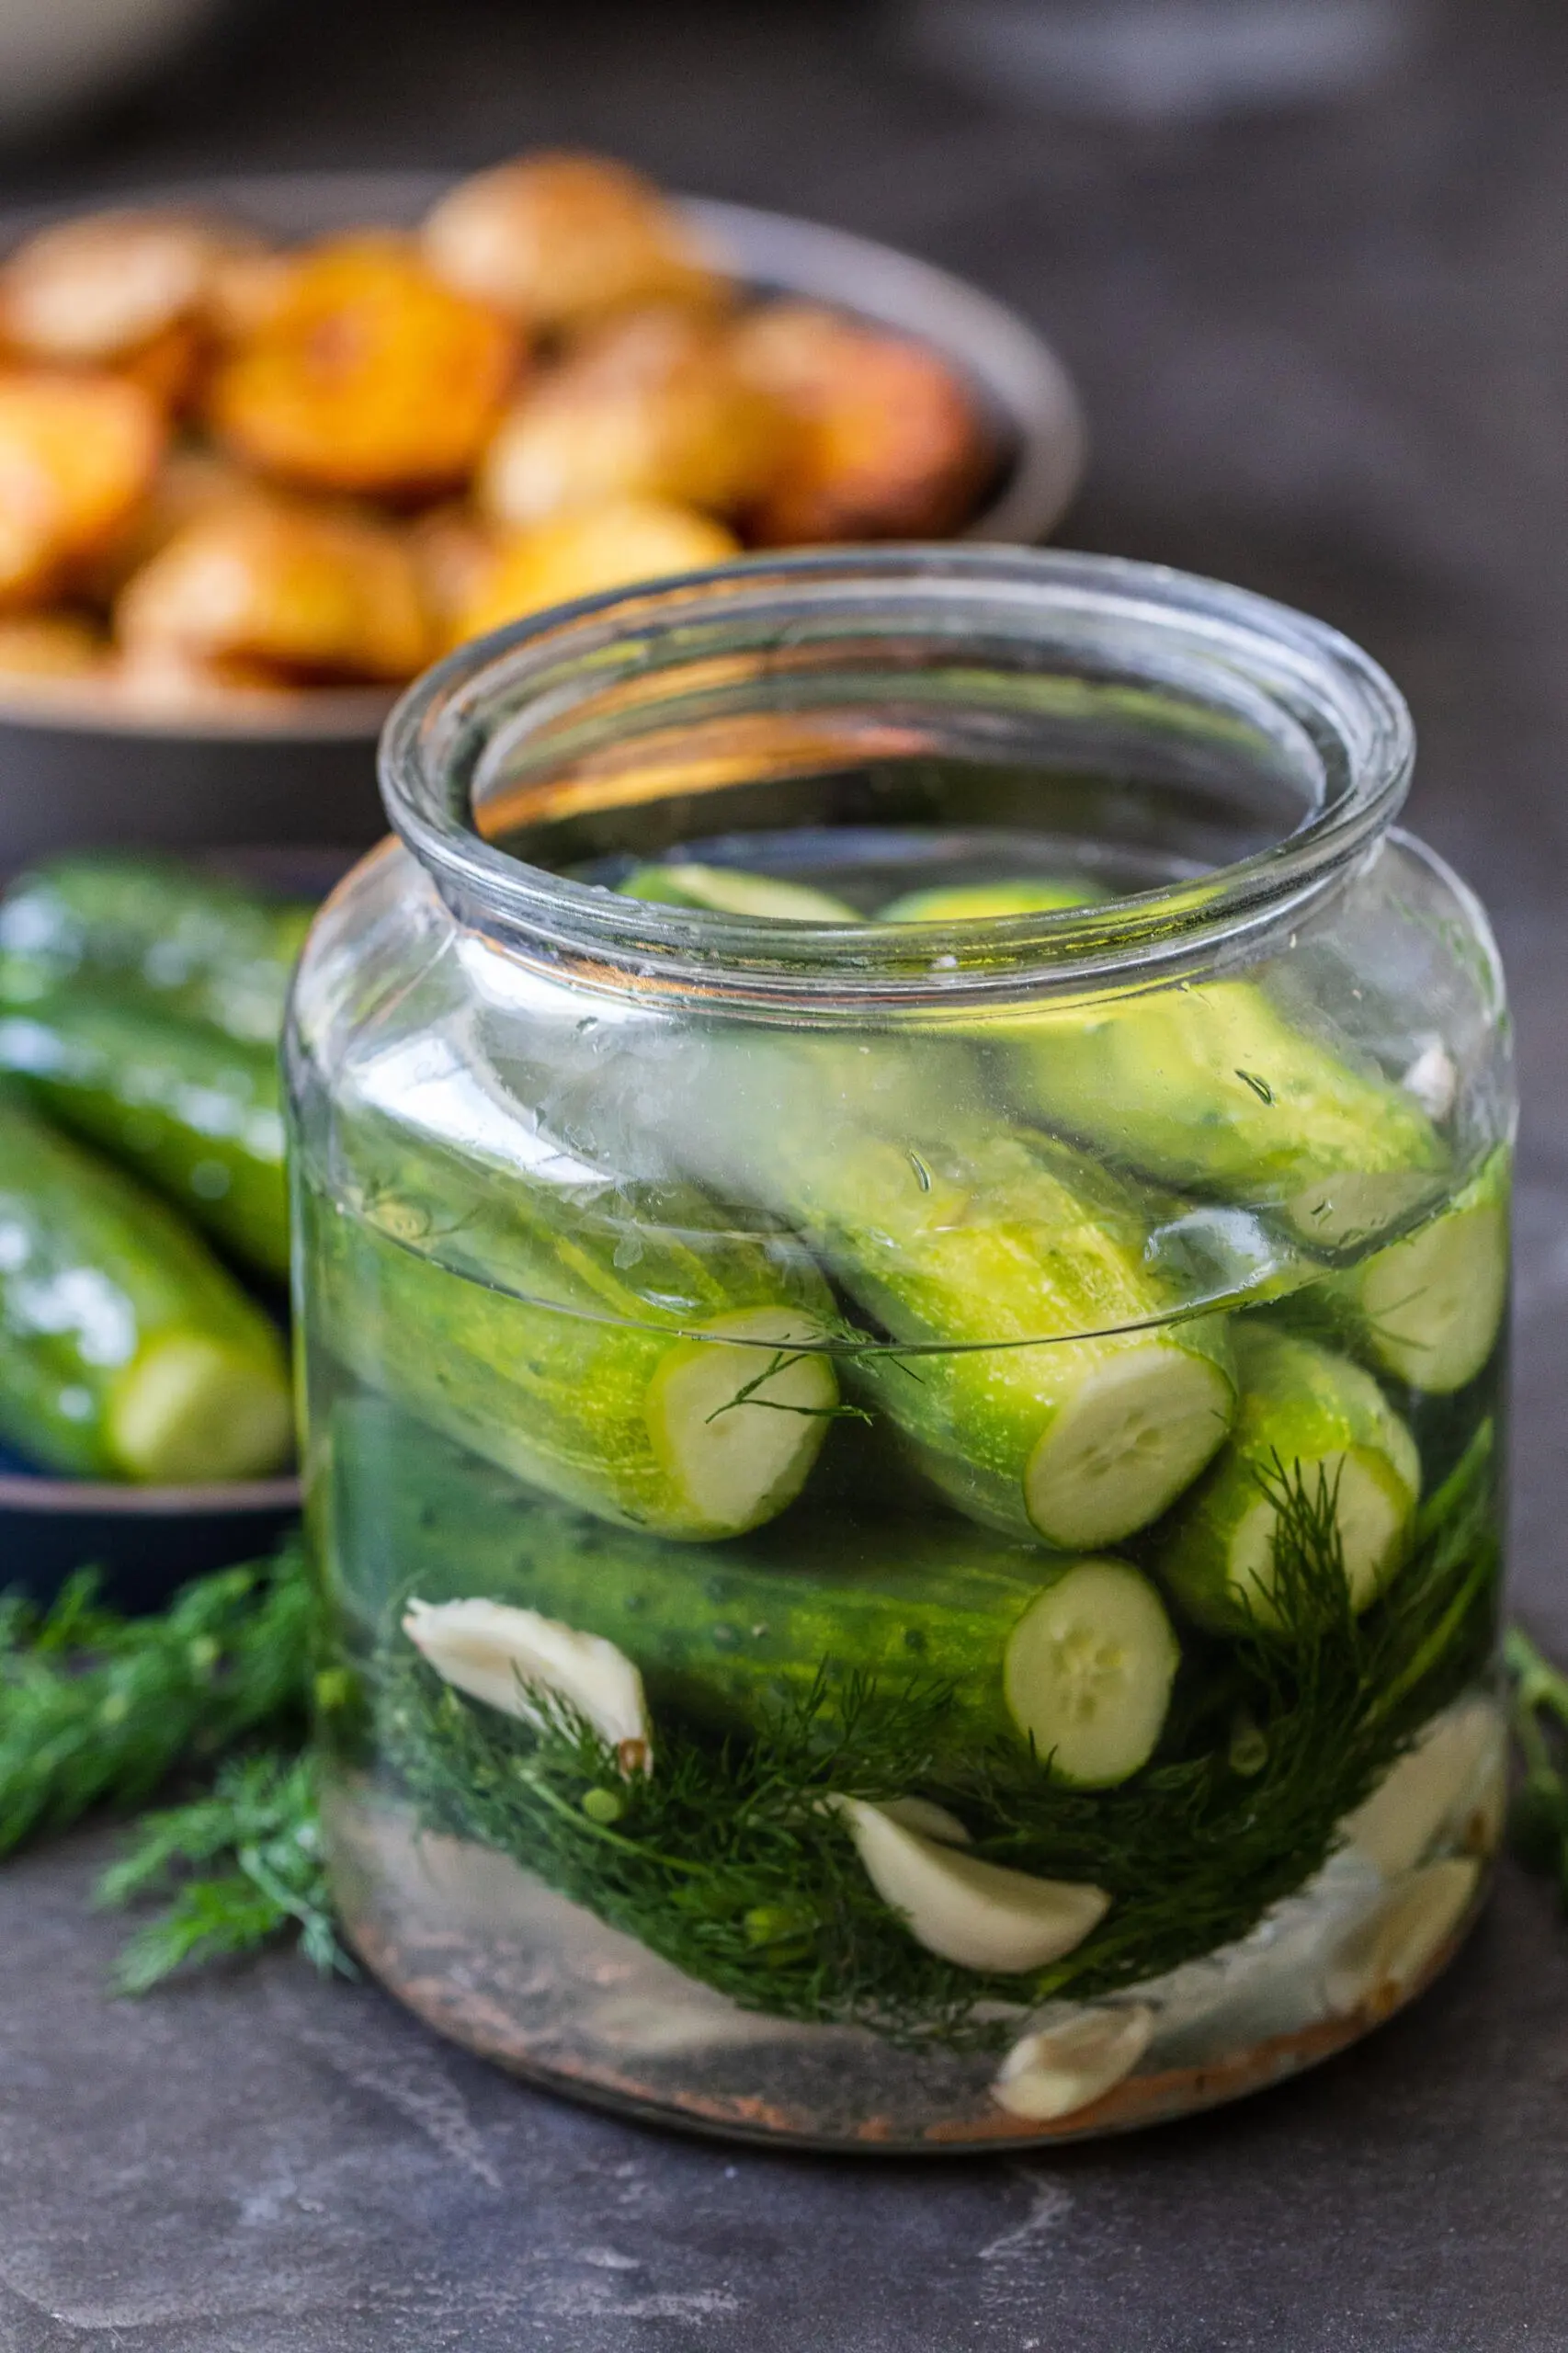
906 1493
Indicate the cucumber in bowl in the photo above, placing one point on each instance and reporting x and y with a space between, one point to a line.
126 1350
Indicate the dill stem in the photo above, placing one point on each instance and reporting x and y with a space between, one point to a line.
1427 1652
583 1822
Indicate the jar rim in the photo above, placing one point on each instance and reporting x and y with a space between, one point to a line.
441 727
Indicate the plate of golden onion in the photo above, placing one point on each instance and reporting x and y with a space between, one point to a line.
268 448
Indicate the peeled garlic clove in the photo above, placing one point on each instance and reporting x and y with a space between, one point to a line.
1458 1763
1063 2068
931 1819
1433 1078
980 1915
501 1654
1381 1961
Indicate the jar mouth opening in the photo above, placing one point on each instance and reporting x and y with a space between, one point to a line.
750 683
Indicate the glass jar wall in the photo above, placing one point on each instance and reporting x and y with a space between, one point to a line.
902 1194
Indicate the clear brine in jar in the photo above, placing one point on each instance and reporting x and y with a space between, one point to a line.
915 1566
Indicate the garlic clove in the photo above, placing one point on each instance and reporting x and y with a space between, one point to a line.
1457 1768
980 1915
1381 1959
500 1654
1062 2068
931 1819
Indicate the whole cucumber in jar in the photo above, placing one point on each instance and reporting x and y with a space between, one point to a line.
1315 1441
669 1379
1070 1658
1039 1367
1210 1087
126 1350
196 1114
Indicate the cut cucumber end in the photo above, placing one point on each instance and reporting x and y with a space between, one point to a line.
1135 1434
191 1411
1374 1507
1433 1304
736 1420
1088 1671
729 891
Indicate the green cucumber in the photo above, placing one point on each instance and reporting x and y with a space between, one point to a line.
1318 1421
668 1377
126 1351
730 891
1074 1657
1209 1087
970 902
194 1113
1428 1309
991 1258
205 949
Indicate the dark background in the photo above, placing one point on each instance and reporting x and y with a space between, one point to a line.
1325 353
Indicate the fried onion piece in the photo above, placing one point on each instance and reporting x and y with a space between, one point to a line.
365 375
651 406
305 595
612 546
890 442
558 241
77 453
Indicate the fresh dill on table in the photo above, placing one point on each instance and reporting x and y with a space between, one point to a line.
100 1709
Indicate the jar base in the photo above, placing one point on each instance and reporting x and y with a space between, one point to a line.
495 1961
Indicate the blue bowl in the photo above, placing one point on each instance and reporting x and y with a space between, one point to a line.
144 1542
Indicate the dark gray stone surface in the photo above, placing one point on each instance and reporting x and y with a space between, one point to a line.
1327 356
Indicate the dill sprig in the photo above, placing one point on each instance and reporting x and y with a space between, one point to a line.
728 1862
96 1708
259 1825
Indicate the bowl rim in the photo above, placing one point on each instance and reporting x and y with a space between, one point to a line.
38 1494
1012 364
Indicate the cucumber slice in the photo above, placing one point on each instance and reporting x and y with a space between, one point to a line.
1385 1958
726 1415
980 1915
506 1657
1088 1671
1312 1416
965 902
1428 1309
1064 2068
729 891
193 1409
1135 1432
